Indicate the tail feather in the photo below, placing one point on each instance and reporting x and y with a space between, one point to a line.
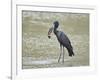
70 51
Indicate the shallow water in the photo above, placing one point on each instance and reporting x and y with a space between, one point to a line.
40 52
38 62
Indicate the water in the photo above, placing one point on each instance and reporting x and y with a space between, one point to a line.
40 52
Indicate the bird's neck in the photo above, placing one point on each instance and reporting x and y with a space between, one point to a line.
55 31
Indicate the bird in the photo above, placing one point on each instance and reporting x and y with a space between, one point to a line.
62 39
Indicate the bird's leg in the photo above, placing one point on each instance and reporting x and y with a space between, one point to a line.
60 53
63 54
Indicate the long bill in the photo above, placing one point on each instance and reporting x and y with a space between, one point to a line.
49 32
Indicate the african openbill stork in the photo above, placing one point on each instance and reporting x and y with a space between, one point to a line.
62 39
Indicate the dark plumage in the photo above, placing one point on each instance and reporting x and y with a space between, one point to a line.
63 40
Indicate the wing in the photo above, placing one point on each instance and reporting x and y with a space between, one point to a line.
63 39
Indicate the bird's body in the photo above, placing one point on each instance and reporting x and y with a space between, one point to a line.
63 40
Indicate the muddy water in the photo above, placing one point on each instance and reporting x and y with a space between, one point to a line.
40 52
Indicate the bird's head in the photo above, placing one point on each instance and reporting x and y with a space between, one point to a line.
55 26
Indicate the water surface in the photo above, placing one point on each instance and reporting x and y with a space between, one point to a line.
40 52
